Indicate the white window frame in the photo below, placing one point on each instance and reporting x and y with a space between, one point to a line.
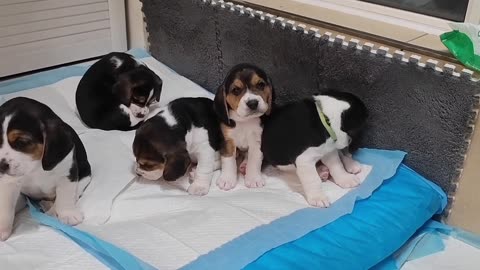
416 21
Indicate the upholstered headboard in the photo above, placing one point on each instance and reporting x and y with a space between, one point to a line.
419 107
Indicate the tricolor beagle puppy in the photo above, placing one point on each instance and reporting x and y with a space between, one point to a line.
183 132
115 93
41 157
312 130
245 96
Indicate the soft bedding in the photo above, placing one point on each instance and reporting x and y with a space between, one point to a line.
164 226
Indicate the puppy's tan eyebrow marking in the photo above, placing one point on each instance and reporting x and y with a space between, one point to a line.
150 164
35 150
256 79
237 83
15 134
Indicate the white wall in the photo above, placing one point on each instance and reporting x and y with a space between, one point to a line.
136 32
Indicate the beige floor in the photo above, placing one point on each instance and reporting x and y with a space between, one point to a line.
466 207
391 31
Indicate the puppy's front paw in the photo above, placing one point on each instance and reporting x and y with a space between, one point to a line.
226 181
255 181
198 189
70 216
353 167
5 232
347 180
318 199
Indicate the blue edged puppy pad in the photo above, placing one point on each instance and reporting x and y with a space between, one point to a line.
376 228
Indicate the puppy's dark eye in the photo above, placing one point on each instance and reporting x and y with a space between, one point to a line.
139 99
236 91
22 142
261 85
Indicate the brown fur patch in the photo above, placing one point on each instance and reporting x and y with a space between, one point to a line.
256 79
35 150
228 148
233 99
265 93
237 83
149 165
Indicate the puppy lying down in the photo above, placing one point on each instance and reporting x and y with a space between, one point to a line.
322 126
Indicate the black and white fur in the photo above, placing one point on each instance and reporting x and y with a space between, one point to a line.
294 135
183 132
45 160
116 93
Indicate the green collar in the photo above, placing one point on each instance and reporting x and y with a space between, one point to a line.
325 122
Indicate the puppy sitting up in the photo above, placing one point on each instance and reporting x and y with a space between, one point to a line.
41 157
312 130
185 131
245 96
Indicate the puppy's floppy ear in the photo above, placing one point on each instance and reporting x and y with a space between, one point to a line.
122 90
157 89
57 141
220 105
176 165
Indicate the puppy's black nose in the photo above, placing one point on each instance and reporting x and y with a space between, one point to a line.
4 166
140 115
252 104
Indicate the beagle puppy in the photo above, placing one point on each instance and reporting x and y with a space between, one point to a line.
296 134
183 132
116 93
41 157
241 102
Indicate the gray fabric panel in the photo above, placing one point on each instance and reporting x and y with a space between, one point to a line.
182 35
413 109
289 58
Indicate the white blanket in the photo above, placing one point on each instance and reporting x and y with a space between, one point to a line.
156 221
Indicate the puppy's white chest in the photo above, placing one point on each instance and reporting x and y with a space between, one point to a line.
246 133
39 185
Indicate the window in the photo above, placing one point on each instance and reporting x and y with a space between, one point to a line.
428 16
455 10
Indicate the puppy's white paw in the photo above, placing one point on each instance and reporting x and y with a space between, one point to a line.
347 180
353 167
5 232
70 216
318 199
198 189
255 181
226 181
